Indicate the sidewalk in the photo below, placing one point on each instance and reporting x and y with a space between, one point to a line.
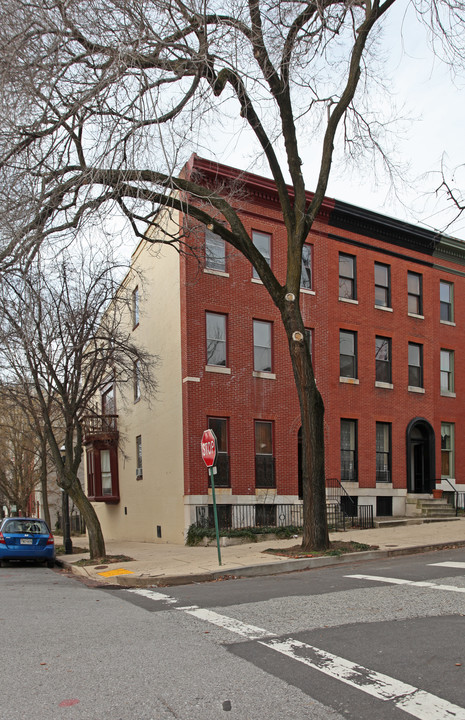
165 564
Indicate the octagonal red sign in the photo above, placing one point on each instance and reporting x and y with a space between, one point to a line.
208 448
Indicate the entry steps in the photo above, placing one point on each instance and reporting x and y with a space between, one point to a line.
420 510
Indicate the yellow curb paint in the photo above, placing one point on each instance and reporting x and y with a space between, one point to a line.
119 571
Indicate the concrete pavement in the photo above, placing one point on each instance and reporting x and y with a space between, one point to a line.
167 564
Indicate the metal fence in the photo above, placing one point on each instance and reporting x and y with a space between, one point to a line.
241 517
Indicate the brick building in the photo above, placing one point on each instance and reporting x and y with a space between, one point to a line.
382 302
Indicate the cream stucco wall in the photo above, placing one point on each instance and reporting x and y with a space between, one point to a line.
156 500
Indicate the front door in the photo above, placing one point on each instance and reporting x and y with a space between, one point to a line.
418 467
420 446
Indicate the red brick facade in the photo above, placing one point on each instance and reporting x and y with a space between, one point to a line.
242 398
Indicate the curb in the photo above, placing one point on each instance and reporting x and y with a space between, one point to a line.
266 569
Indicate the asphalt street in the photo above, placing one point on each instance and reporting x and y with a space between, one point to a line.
381 639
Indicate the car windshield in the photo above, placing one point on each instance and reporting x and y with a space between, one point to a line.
18 525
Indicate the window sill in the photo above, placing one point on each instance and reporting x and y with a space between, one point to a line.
218 369
382 307
414 315
387 386
264 375
304 291
382 484
413 389
348 300
349 381
110 499
448 393
220 273
190 379
257 281
447 322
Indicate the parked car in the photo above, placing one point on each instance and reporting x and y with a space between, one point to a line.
26 539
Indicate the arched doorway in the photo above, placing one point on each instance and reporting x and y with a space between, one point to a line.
420 456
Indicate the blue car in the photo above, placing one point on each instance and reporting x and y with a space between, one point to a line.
26 539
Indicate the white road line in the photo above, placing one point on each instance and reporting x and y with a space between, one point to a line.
415 583
406 697
153 595
415 702
458 565
251 632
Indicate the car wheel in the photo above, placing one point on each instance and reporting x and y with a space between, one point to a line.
3 563
51 564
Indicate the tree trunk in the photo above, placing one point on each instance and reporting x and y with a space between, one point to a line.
94 531
315 525
43 481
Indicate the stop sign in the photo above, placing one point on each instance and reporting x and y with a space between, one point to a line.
208 448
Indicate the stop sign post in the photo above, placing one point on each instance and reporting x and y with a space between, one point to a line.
209 449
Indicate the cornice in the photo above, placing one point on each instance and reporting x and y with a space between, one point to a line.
382 227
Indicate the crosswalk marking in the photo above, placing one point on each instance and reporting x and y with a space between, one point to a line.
457 565
415 583
251 632
420 704
413 701
153 595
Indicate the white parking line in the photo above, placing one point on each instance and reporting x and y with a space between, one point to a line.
458 565
415 583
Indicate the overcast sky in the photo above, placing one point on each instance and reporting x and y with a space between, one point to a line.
434 102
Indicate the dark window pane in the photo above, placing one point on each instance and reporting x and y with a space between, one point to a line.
220 428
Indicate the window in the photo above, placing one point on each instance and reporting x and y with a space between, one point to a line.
264 460
265 515
306 271
108 400
447 450
446 295
216 339
347 354
383 452
347 277
261 346
105 469
382 285
102 473
349 470
215 254
415 295
309 338
383 360
136 380
220 428
135 307
139 457
415 365
447 371
262 242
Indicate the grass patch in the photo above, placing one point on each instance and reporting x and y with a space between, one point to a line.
195 534
336 548
107 560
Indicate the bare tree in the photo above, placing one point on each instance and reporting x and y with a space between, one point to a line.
62 336
20 453
99 100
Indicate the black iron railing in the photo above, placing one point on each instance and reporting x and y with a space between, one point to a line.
241 516
458 497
